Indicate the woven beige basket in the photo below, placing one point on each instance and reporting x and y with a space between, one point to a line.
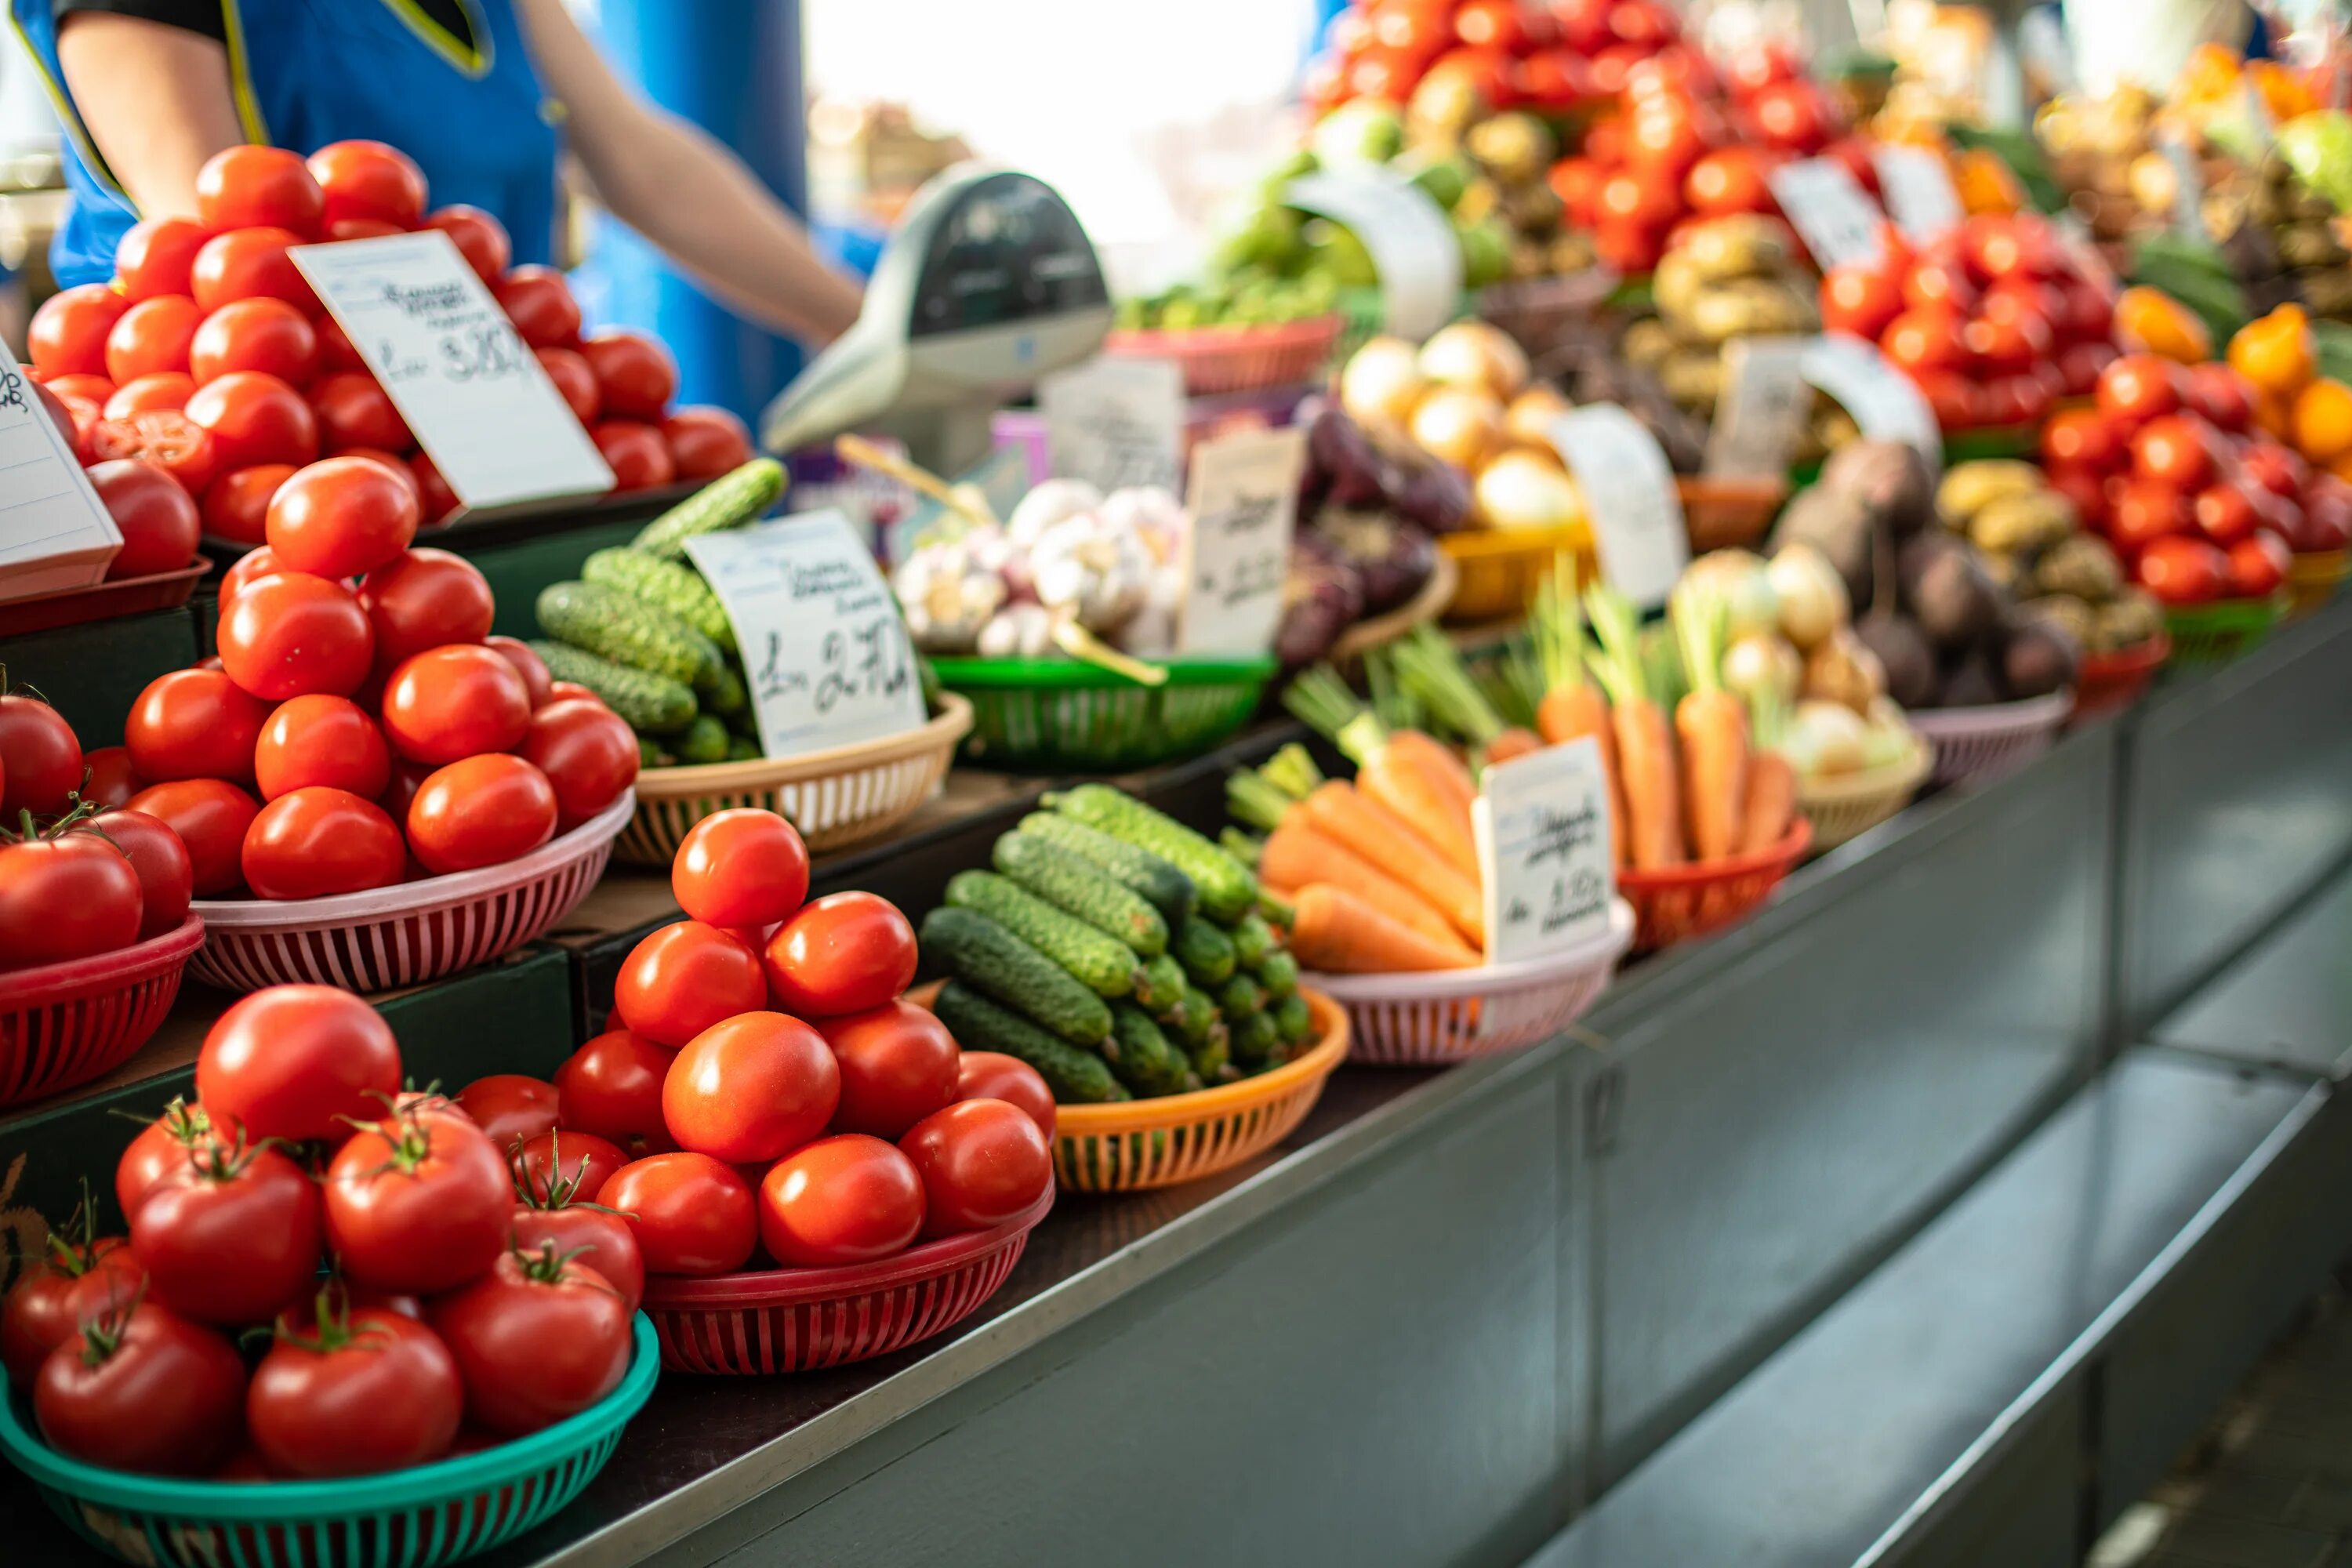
1847 805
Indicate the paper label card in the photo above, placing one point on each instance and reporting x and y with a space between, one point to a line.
1629 495
1116 421
1882 399
1762 415
825 651
54 533
1242 504
476 396
1541 823
1408 236
1833 214
2189 185
1920 195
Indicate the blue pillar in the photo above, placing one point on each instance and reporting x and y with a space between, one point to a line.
733 66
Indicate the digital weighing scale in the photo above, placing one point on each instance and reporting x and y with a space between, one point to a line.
988 283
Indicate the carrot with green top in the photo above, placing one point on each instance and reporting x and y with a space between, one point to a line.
1712 724
1645 741
1297 856
1385 839
1340 933
1413 775
1771 803
1573 706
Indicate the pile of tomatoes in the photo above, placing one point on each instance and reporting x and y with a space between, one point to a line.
1995 322
770 1092
210 358
1513 53
360 725
2199 503
456 1315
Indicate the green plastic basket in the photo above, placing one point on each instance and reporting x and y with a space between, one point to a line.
2226 629
419 1518
1065 713
2023 441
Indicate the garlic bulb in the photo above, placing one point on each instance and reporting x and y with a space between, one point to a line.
1152 515
946 597
1048 504
1095 573
1018 631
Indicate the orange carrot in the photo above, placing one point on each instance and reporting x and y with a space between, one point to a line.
1645 742
1340 933
1512 742
1382 838
1425 785
1712 725
1573 706
1297 856
1771 802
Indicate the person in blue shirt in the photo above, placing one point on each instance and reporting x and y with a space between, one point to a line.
481 94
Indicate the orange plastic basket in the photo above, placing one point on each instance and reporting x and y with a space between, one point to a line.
64 1023
2313 578
2106 681
1679 902
1238 358
1502 568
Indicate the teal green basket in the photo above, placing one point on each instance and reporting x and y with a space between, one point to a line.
2023 441
1067 714
419 1518
2225 629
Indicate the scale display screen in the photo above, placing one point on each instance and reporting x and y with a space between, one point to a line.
1007 251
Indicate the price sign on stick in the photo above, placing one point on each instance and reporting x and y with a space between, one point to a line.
1411 244
1833 214
469 387
1629 495
1882 399
54 533
1762 416
1242 504
824 652
1542 827
1919 192
1116 421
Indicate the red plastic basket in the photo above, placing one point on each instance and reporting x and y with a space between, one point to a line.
2106 681
1237 359
64 1023
1678 902
102 601
800 1319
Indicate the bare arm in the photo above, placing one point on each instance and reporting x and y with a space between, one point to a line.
156 100
685 192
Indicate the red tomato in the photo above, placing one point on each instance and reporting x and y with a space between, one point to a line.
2144 512
1922 341
2080 366
1791 114
850 1198
248 186
562 1164
2141 387
1626 197
40 760
1576 181
298 1062
750 1088
568 368
314 842
1940 285
536 1339
1861 300
480 239
2085 489
229 1236
2010 345
320 741
74 416
599 1242
682 979
159 523
639 458
705 443
2174 450
2183 571
2018 295
2258 565
364 1391
361 179
158 1148
167 875
982 1160
155 254
76 1279
170 440
68 334
236 503
691 1214
68 896
250 264
510 1107
152 336
1998 244
292 633
335 350
2276 468
422 599
453 703
352 410
113 779
91 389
481 810
266 335
256 418
588 753
2225 514
993 1075
210 815
539 303
610 1088
636 373
898 1064
1727 180
165 391
744 866
530 666
434 500
571 691
2082 437
2218 393
847 952
144 1391
418 1203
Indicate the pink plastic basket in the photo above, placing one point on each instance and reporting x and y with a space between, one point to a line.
64 1023
390 937
1237 359
798 1320
1974 745
1429 1019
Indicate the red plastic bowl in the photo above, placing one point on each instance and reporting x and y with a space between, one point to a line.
64 1023
1679 902
798 1320
2106 681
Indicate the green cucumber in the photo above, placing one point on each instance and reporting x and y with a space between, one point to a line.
1163 886
1223 884
1253 940
670 586
728 697
1072 884
1278 973
705 741
1254 1040
731 500
1076 1077
1140 1055
626 629
1194 1016
1239 997
1100 962
652 704
1294 1020
1160 987
987 957
1212 1057
742 749
1206 952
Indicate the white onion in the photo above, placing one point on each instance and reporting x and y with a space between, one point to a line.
1532 413
1825 737
1476 356
1738 579
1458 426
1380 382
1811 594
1763 663
1520 491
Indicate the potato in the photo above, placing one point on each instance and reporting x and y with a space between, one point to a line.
2083 567
1968 488
1750 307
1739 246
1647 343
1692 378
1675 283
2021 524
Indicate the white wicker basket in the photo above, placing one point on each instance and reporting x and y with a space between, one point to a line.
1977 745
1847 805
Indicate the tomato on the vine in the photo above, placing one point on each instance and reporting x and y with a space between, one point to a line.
210 815
231 1235
510 1107
564 1163
298 1062
592 1237
292 633
40 760
683 978
537 1339
419 1202
481 810
850 1198
898 1064
588 753
316 841
167 875
145 1390
157 1149
742 867
845 953
983 1161
77 1277
112 778
750 1088
993 1075
691 1214
152 512
453 703
355 1393
65 894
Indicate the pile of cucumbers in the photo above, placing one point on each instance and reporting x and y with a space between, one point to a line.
645 632
1119 953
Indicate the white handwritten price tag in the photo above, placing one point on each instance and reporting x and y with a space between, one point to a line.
1882 399
1116 421
54 533
1836 218
1410 239
1919 192
1762 416
1629 495
1542 822
824 652
1241 505
469 387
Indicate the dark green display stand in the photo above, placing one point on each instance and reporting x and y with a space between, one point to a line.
92 672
